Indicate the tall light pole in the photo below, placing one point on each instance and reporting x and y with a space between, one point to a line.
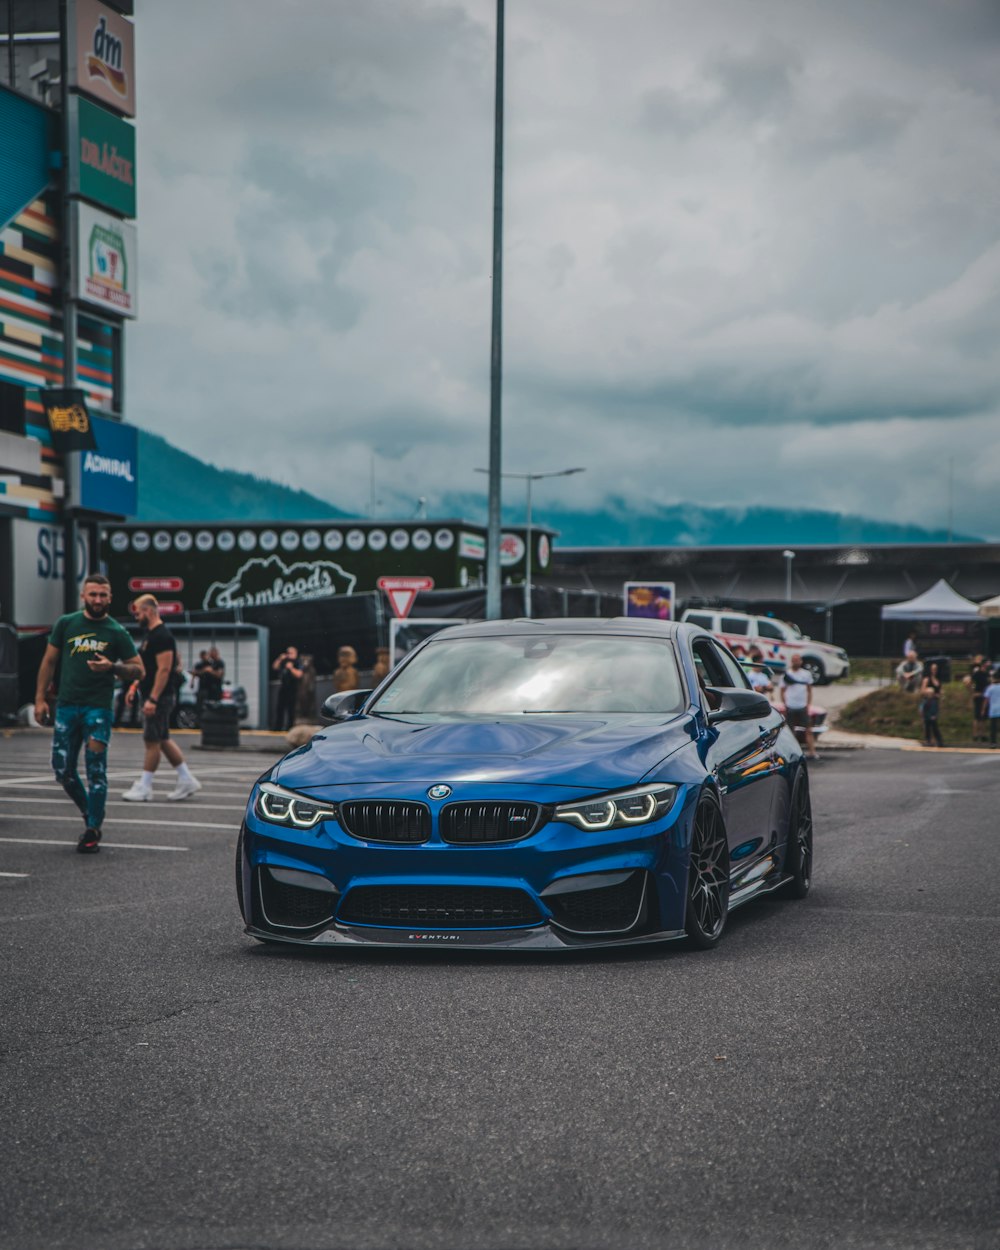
528 478
493 608
789 557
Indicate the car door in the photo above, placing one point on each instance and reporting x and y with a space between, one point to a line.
741 757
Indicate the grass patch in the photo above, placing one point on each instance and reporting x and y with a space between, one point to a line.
873 668
894 714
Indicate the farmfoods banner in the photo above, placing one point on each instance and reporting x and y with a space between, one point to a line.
223 567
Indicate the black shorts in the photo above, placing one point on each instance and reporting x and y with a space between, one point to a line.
156 728
979 711
798 717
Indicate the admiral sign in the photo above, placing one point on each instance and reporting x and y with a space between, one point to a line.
102 55
106 479
105 261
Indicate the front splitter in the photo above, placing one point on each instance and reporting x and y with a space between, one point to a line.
540 938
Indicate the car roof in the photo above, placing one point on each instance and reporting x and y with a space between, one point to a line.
611 626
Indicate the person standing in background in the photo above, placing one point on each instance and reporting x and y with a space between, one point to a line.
796 687
991 698
345 675
289 670
930 705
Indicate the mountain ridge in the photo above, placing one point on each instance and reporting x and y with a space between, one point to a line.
175 485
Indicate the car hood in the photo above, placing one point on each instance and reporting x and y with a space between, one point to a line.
586 752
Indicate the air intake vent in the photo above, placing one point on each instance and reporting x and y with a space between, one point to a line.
439 906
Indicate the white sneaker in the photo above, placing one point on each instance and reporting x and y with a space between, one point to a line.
138 793
185 789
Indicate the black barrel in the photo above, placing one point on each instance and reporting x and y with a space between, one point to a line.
220 725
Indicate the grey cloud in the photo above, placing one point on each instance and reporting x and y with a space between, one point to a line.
759 82
856 124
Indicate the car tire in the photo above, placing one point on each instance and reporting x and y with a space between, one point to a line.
799 845
708 875
187 718
815 668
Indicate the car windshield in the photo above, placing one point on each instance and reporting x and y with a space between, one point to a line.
537 673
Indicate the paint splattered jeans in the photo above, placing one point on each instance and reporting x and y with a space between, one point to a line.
75 725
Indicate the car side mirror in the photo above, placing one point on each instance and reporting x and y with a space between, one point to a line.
344 705
737 704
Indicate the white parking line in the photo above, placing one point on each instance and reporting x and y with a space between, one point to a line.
122 846
14 874
120 804
42 819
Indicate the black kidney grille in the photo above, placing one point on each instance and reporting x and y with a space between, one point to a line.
292 906
385 820
489 822
606 910
439 906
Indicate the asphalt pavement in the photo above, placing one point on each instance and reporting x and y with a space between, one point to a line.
827 1077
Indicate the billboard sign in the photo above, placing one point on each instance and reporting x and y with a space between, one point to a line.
102 55
106 479
39 552
652 600
101 157
254 564
105 261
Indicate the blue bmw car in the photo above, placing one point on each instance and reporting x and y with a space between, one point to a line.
532 785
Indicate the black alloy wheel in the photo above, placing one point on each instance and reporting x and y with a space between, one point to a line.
799 850
708 876
187 718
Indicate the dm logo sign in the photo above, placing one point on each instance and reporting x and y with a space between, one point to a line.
260 583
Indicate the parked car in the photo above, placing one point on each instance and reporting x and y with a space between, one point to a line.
185 711
532 785
776 640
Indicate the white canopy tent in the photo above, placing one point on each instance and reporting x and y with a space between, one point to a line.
940 603
990 607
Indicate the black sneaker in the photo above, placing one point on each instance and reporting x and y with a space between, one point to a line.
90 842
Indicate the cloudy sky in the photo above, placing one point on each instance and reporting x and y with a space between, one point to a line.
752 248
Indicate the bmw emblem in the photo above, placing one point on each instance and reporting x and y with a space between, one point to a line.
439 792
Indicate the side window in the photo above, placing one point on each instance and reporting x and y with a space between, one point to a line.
708 662
735 676
702 619
768 629
735 625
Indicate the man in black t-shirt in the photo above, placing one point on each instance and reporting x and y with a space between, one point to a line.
289 670
157 689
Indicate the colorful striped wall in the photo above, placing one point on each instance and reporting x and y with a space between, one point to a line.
31 350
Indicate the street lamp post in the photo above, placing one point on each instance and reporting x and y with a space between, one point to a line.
528 478
789 557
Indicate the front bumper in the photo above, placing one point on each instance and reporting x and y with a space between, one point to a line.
559 889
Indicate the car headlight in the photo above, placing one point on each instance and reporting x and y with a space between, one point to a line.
279 806
617 811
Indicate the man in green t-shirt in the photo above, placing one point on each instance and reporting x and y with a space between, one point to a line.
91 650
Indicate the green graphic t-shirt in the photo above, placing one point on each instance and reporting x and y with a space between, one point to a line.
80 639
